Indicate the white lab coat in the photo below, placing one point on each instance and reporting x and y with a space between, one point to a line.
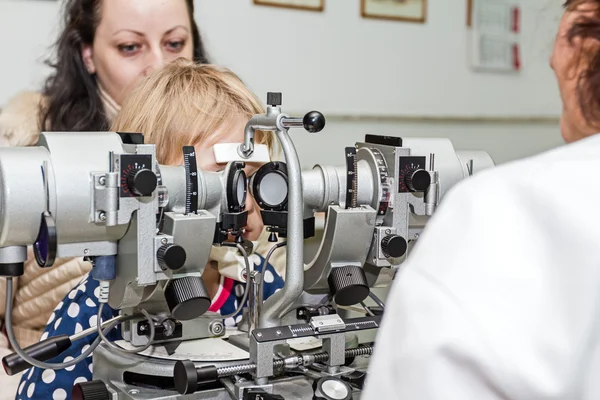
500 298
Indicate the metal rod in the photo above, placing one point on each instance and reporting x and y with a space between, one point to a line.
280 302
254 301
292 362
292 122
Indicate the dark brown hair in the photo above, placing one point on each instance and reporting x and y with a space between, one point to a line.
587 28
71 99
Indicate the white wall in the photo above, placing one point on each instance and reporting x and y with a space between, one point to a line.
352 69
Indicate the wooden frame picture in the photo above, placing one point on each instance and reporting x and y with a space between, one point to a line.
397 10
311 5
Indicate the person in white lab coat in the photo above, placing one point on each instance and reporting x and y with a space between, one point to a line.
500 298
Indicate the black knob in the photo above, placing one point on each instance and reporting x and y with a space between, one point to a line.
187 297
93 390
348 285
314 122
393 246
142 182
171 256
187 377
418 180
274 99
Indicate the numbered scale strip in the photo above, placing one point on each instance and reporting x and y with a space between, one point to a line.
191 179
351 178
306 330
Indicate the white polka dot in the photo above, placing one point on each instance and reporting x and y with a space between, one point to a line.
79 380
44 336
48 376
57 323
81 287
58 306
78 328
230 322
269 278
52 316
238 319
67 359
73 310
72 294
91 367
89 302
97 292
30 390
87 346
59 394
93 320
30 373
21 386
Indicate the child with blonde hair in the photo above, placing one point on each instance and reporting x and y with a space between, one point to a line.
182 104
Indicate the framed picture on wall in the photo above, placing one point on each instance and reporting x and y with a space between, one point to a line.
398 10
312 5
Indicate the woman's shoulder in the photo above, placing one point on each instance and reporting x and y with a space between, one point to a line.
19 120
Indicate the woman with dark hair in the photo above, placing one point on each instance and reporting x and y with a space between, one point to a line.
500 298
105 47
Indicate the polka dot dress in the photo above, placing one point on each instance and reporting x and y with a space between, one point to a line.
77 312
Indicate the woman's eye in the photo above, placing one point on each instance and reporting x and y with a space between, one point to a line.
176 45
128 48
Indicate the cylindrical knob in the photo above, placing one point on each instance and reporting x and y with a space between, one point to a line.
142 182
187 297
171 256
330 388
274 99
418 181
393 246
187 377
348 285
94 390
314 122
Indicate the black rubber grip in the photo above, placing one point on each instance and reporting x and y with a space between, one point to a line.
42 351
187 377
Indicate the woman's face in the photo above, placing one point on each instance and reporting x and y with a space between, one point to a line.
232 133
568 62
134 38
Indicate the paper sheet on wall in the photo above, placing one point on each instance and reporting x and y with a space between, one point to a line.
495 35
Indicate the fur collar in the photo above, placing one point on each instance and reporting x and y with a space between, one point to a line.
19 124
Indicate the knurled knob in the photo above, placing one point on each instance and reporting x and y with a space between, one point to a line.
171 256
393 246
187 297
93 390
142 182
418 180
348 285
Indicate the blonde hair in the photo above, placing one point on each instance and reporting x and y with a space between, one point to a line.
183 103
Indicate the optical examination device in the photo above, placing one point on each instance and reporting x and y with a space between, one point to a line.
148 230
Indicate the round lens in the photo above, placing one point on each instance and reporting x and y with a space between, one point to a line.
240 184
273 189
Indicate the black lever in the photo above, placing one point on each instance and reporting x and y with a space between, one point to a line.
42 351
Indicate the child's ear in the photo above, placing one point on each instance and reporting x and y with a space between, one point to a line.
87 56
